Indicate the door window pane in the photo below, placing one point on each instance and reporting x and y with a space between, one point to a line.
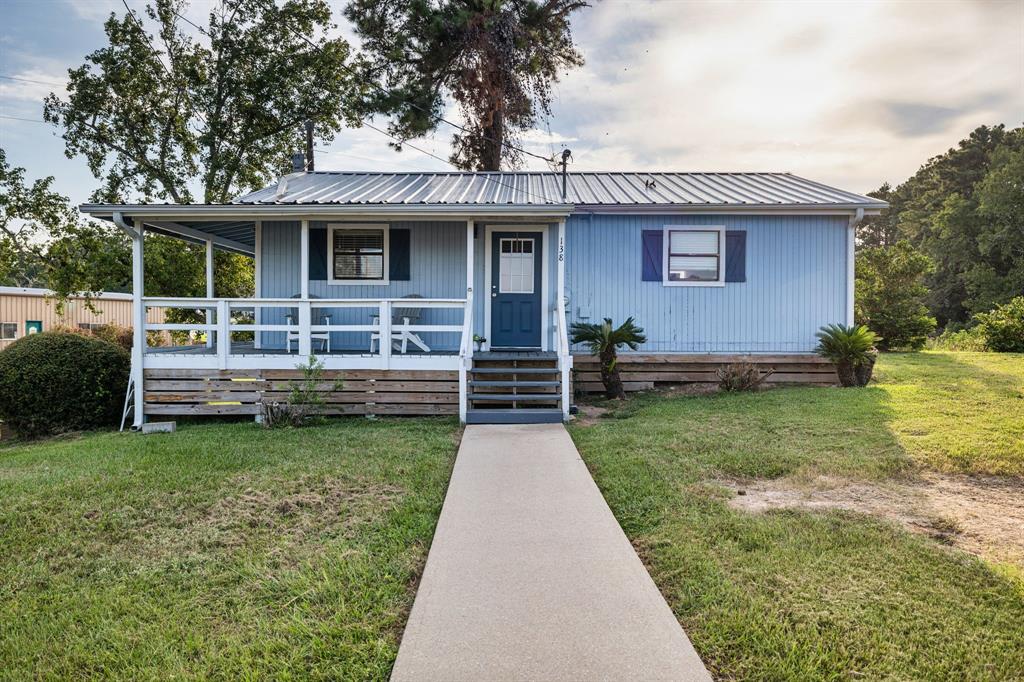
515 266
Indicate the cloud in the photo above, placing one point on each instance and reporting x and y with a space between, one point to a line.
846 93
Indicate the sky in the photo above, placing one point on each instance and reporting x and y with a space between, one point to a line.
851 94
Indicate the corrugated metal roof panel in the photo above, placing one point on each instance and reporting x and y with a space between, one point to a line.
532 189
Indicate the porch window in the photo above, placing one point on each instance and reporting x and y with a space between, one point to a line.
8 331
694 256
359 254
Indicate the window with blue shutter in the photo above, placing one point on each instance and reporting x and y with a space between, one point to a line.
652 255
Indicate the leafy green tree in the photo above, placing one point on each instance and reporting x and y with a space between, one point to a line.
29 213
497 58
890 294
161 115
603 340
963 210
165 116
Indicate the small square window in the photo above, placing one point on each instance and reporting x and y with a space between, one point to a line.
694 256
8 331
359 254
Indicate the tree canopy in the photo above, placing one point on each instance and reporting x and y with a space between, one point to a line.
171 116
965 210
496 58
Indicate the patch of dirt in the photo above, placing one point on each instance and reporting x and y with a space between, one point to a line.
983 515
588 415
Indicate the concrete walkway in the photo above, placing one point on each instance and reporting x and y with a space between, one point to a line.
530 577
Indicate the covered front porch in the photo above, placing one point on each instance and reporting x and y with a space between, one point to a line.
360 291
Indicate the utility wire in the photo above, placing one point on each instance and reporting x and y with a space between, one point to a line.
19 118
29 80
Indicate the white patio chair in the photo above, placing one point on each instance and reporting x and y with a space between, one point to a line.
401 334
292 319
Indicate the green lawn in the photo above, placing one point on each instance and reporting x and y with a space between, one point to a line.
822 595
223 550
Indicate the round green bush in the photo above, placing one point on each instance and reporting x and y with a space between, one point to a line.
1003 327
55 382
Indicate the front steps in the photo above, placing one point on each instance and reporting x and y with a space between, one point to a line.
514 388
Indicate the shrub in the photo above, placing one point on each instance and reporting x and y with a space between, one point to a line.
603 341
55 382
890 295
741 376
852 349
961 340
1003 327
305 400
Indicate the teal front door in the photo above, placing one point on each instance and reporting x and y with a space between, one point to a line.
516 268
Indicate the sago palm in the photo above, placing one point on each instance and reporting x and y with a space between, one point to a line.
852 349
603 341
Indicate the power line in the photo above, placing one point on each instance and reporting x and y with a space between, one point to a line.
29 80
19 118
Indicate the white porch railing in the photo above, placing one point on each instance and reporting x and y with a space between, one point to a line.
221 327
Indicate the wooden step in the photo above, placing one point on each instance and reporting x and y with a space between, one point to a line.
514 397
520 416
515 383
514 370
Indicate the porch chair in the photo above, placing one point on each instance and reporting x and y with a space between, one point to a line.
292 319
401 335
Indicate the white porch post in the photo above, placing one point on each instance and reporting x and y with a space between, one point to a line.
465 362
209 290
305 317
304 260
257 268
565 359
138 322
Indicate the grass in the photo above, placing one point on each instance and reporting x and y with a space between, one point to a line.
223 550
822 595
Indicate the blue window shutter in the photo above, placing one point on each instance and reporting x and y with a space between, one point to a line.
736 256
652 255
399 255
318 253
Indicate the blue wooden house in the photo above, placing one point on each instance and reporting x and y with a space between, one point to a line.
435 293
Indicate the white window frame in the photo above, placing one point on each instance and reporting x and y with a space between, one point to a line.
332 228
9 338
665 246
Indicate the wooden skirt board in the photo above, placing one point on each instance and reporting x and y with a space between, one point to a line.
642 372
240 392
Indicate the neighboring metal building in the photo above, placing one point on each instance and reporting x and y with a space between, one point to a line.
26 311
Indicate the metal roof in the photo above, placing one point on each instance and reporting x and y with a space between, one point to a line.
584 190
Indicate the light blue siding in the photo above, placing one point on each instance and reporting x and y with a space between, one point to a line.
437 270
796 282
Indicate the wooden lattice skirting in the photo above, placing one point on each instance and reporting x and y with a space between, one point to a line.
228 392
642 372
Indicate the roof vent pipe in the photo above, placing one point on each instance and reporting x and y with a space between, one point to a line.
298 162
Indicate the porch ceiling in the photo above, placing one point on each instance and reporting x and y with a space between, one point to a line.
242 232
